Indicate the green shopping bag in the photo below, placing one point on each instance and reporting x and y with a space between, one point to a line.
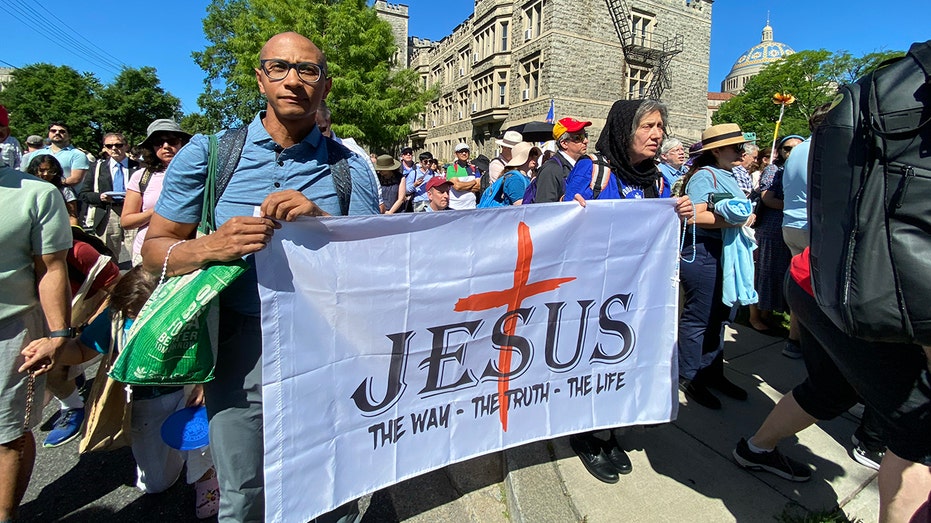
173 340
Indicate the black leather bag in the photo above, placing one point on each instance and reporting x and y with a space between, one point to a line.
869 203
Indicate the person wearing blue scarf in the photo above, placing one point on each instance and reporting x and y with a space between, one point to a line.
710 183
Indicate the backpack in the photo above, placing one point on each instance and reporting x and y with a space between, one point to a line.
598 179
229 150
530 194
869 184
494 195
485 180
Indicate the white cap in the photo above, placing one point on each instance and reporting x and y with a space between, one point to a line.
462 146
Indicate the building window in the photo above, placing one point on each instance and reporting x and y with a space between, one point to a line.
530 78
638 79
642 25
533 20
502 94
504 36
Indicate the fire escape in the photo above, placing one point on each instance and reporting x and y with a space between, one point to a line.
654 52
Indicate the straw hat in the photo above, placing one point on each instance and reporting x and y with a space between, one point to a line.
520 153
721 135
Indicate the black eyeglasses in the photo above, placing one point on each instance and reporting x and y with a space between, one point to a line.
577 137
113 145
276 70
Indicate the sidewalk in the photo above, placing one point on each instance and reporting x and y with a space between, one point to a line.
683 471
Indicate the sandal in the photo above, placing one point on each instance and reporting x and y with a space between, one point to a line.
207 498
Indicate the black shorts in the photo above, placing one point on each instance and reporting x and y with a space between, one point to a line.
891 378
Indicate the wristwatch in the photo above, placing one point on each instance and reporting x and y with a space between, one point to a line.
70 332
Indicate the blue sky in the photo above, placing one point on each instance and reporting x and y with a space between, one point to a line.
101 36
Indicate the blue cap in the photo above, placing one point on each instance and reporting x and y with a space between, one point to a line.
186 429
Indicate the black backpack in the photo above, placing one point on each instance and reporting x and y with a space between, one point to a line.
869 207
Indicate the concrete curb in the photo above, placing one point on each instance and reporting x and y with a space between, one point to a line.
534 487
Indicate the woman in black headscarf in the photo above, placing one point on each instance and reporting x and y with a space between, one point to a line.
633 134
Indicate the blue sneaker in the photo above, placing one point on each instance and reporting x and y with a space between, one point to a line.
792 350
66 428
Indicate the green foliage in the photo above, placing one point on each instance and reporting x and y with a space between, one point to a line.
195 123
811 76
40 94
43 93
133 101
369 101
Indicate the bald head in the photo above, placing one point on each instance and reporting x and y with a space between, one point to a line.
294 43
292 75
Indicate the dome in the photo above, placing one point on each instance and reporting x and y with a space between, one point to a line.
756 58
761 54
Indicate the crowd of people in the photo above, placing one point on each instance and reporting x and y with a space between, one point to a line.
142 210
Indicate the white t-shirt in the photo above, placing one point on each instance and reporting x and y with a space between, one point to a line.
460 200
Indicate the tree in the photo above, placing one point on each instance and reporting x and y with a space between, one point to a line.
133 100
811 76
370 101
43 93
198 123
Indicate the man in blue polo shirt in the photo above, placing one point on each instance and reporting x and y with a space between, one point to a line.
283 169
73 161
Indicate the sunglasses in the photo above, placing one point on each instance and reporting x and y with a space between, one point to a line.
113 145
159 141
787 148
577 137
58 131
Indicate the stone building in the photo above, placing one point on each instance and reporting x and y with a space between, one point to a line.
750 63
504 64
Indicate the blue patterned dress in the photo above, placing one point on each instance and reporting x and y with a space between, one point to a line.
773 255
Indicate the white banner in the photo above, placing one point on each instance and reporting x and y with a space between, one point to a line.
383 339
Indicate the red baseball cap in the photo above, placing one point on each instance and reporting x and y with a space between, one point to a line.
568 125
4 117
436 181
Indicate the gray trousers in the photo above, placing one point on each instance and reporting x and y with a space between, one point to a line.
234 408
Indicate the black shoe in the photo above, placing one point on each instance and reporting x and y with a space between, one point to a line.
728 388
618 458
773 462
591 452
699 394
865 455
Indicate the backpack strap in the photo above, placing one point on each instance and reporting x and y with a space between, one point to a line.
921 52
337 157
600 174
229 150
223 155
